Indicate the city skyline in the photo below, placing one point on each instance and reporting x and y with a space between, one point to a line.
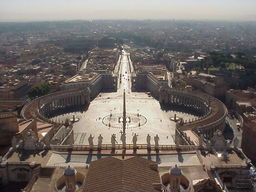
143 95
21 10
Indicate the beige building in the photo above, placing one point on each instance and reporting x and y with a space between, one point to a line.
210 84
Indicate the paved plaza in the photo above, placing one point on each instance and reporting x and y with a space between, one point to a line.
104 113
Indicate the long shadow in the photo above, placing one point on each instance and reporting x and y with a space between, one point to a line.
65 110
158 160
89 158
112 152
149 155
181 108
165 107
99 156
68 159
180 157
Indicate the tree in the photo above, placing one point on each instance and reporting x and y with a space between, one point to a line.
39 90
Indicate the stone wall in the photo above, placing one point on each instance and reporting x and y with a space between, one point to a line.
95 86
8 128
69 139
139 82
233 177
48 137
147 82
17 172
153 85
61 135
109 83
248 139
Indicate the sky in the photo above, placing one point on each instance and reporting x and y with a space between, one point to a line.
48 10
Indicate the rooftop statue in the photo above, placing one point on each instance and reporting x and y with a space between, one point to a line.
90 140
175 180
100 139
148 141
134 140
113 141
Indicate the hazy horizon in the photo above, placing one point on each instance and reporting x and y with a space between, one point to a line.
62 10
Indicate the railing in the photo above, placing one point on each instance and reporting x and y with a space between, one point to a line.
120 147
230 166
8 154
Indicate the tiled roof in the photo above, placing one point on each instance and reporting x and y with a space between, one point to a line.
115 175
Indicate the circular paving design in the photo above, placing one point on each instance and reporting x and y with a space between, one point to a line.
116 120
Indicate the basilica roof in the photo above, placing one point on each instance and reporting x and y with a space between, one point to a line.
112 175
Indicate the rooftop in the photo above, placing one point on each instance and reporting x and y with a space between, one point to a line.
244 97
111 174
80 78
233 160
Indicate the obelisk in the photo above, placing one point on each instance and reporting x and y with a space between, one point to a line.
124 113
123 137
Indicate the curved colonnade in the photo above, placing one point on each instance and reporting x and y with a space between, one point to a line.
210 111
185 101
45 107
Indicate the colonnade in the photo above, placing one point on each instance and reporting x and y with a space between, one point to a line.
57 103
212 112
209 129
185 100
